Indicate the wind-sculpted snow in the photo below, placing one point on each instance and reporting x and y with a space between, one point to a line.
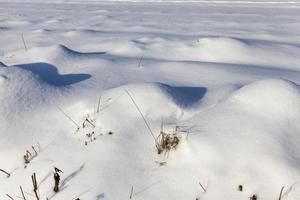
218 50
256 133
274 98
91 85
18 86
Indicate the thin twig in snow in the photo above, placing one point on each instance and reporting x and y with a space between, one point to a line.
34 150
99 99
5 172
131 193
280 195
35 187
90 122
73 121
22 193
10 197
137 107
140 61
202 187
25 47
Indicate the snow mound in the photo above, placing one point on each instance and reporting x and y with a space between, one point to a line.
251 138
273 97
21 91
234 50
56 54
150 96
62 51
221 43
28 104
221 49
228 50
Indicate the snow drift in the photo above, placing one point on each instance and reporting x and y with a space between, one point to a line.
252 133
223 76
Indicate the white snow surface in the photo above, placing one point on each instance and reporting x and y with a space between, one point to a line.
225 72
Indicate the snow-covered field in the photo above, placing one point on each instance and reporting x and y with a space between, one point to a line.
225 73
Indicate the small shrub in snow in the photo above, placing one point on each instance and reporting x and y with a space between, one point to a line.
88 122
167 142
253 197
91 136
26 157
29 155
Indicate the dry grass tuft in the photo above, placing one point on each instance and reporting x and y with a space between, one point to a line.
167 142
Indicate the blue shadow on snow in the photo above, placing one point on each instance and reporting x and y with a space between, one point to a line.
50 74
186 96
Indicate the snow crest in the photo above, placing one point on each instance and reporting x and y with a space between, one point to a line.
272 97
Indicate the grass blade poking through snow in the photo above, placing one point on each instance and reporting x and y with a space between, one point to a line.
280 195
137 107
35 186
25 47
9 196
73 121
99 99
5 172
22 193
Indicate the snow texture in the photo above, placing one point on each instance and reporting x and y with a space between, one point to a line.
90 84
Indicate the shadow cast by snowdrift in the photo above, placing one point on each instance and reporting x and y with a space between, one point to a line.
50 74
186 96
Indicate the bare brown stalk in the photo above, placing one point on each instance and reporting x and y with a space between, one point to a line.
137 107
90 123
73 121
202 187
280 195
35 187
5 172
22 193
131 193
34 150
10 197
